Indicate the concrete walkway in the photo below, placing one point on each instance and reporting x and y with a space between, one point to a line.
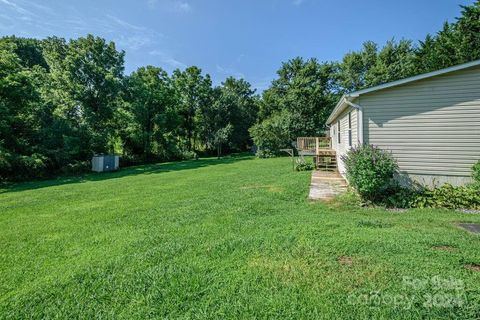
326 185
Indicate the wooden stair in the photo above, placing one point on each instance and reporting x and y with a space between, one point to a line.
326 161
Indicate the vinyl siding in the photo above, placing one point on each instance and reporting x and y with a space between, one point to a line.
431 126
342 147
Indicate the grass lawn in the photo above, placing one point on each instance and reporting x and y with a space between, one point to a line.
229 238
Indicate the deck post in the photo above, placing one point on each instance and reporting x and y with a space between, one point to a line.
317 146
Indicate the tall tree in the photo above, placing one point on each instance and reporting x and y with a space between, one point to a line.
353 69
307 90
151 99
20 148
235 105
88 76
194 91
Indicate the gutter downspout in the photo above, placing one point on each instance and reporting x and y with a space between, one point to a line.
359 119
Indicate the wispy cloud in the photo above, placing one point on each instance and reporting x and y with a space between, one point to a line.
171 5
227 71
297 2
127 34
183 6
16 7
168 59
124 23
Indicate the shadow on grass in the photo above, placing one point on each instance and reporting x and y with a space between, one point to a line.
129 171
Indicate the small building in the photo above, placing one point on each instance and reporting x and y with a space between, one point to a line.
429 122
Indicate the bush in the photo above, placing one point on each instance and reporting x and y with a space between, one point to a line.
272 134
265 153
302 165
446 196
476 173
370 171
189 155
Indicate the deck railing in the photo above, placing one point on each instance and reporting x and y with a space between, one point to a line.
313 144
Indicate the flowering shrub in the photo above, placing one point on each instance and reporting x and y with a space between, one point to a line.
370 170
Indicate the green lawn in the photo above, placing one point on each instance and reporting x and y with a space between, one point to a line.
229 238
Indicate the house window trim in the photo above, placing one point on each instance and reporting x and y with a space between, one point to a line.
339 135
350 142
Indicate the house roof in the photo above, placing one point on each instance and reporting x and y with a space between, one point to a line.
342 104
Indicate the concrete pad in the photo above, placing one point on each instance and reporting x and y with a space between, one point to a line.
326 185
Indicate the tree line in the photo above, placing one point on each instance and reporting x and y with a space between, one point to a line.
63 101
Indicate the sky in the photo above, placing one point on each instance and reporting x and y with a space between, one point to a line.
240 38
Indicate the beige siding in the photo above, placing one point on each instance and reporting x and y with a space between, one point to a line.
342 147
432 126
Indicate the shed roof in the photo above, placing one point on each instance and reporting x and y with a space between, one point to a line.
342 105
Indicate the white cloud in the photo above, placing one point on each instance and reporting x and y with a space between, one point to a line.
124 23
128 35
134 42
183 6
171 5
16 7
168 59
229 72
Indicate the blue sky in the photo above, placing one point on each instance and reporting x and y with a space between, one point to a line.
241 38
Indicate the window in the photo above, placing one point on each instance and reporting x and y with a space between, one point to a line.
339 138
349 129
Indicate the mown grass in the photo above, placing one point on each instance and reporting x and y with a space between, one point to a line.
228 238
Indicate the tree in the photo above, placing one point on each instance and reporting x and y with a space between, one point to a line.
353 70
273 134
468 29
87 74
233 104
194 91
456 43
307 90
221 136
19 102
151 99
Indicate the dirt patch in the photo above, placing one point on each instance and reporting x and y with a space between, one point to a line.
396 210
345 260
374 224
270 188
445 248
473 267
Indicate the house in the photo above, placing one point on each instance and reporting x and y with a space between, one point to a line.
429 122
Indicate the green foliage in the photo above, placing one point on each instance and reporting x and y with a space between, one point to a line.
304 93
62 101
195 93
225 122
272 134
476 173
445 196
303 165
370 170
150 101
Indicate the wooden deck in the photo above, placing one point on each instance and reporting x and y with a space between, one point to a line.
321 148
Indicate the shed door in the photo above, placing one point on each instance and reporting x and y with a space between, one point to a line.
108 163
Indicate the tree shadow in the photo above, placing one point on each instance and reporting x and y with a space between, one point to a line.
124 172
